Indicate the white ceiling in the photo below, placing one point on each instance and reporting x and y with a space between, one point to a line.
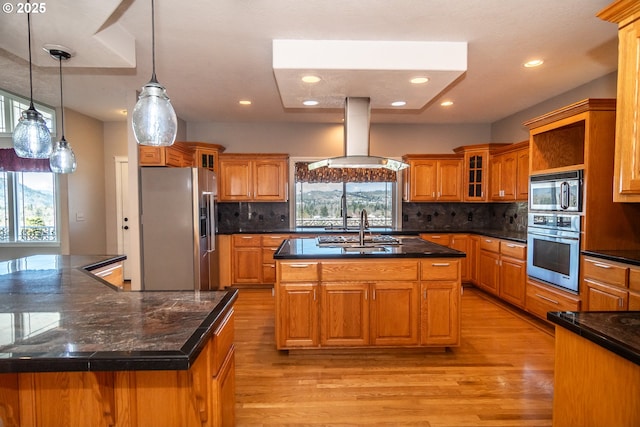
212 53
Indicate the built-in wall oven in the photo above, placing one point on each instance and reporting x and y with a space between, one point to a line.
553 248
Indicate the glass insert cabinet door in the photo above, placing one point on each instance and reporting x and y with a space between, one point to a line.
475 163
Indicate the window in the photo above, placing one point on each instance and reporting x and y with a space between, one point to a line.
28 207
321 194
12 106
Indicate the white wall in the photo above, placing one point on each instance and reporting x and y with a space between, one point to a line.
510 128
326 140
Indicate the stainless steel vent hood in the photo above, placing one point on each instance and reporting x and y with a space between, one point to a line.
357 118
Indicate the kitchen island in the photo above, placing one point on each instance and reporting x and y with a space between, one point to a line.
597 368
77 351
378 294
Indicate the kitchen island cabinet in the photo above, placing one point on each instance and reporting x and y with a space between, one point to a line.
405 296
597 369
99 356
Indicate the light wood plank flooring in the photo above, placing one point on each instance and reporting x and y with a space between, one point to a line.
501 375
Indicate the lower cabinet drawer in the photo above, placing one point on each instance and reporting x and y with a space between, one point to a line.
513 250
440 269
541 299
369 271
298 271
490 244
605 272
222 342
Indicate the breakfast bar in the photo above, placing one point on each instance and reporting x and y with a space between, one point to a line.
373 292
77 351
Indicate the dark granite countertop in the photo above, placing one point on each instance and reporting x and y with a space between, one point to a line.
516 236
56 316
629 257
410 247
617 331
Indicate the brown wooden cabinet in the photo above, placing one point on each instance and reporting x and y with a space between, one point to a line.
513 272
344 314
270 244
181 154
440 292
433 178
247 259
253 177
380 303
297 305
605 285
509 173
541 298
502 269
626 177
394 313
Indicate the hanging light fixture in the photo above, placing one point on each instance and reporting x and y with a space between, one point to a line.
154 119
31 137
62 159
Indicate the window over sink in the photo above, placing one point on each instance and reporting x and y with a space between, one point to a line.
321 195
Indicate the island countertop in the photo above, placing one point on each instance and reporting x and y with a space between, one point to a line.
56 316
409 247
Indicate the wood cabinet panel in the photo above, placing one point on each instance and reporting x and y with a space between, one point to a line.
253 177
398 270
112 273
344 314
509 173
440 313
541 298
297 321
626 175
395 313
601 297
513 276
603 271
433 178
247 265
489 274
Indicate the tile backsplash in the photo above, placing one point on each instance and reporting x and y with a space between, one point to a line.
461 216
263 216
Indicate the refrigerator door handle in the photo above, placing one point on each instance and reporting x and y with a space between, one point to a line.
211 223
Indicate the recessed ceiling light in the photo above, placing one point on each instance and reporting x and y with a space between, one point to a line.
310 102
533 63
311 79
446 103
398 103
244 102
419 80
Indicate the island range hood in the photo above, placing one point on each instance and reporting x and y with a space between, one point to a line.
357 118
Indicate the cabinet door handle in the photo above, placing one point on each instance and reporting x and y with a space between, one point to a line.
547 299
314 294
425 294
511 245
605 266
440 264
373 294
298 265
247 237
366 295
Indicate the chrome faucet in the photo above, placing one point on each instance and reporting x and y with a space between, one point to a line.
364 224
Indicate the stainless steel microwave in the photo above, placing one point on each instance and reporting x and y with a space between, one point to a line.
558 192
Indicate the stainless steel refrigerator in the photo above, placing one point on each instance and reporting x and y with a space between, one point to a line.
178 224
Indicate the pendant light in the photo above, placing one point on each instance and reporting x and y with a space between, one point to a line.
31 137
154 120
62 159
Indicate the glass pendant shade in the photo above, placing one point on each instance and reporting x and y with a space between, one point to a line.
31 137
62 159
154 119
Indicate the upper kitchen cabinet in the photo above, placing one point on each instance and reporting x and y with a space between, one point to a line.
433 178
626 177
476 171
206 155
181 154
509 173
253 177
563 139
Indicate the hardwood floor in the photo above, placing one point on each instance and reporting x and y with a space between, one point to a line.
501 375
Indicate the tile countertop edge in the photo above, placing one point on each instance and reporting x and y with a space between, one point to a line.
622 349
